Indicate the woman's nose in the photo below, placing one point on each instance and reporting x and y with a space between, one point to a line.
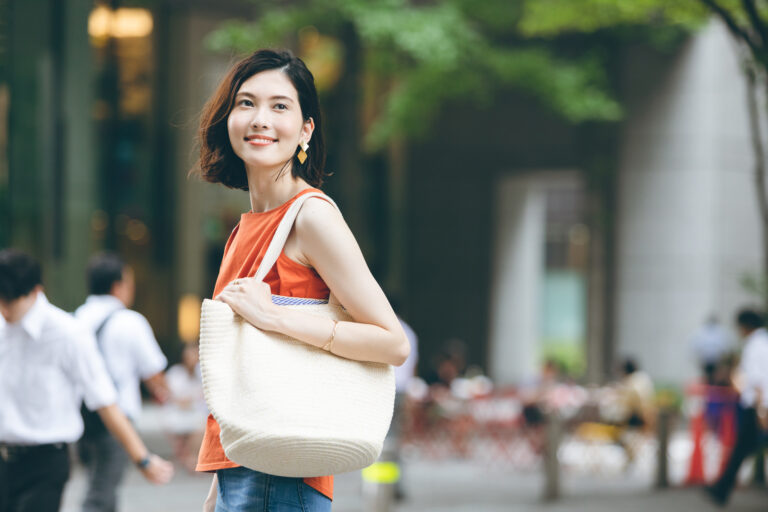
259 119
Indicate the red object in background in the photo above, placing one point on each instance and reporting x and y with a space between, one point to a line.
696 468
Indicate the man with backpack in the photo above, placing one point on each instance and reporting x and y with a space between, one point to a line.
49 364
131 355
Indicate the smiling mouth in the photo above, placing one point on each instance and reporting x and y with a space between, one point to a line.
259 141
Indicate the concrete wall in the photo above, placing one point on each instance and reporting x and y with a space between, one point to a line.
688 222
517 279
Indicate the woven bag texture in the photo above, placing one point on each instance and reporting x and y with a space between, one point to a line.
287 408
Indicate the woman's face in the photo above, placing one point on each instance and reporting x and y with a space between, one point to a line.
266 124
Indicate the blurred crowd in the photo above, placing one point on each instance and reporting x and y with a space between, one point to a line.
453 409
456 411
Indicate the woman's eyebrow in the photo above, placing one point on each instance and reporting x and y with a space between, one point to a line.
253 96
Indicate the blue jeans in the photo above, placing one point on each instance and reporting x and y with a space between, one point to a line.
245 490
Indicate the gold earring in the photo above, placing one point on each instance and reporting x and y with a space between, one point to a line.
302 155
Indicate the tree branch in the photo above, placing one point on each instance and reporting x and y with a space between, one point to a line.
757 23
733 27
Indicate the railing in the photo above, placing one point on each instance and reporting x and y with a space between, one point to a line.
508 428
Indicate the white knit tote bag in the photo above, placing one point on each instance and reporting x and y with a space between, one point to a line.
287 408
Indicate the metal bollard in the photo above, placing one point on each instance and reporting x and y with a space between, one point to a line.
554 432
662 467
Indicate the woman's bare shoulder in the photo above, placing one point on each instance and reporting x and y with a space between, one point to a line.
317 216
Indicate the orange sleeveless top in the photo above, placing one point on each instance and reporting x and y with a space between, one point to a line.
242 255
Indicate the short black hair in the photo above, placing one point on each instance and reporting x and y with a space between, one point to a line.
19 274
750 319
629 366
104 269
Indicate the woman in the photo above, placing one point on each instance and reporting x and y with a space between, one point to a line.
261 132
185 410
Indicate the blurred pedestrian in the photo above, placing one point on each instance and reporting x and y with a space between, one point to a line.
710 344
261 132
49 363
131 355
752 382
449 364
534 394
635 409
636 393
185 411
712 347
404 374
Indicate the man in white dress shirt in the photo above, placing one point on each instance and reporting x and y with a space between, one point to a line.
131 354
49 363
752 383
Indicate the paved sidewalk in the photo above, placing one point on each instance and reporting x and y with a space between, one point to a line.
444 486
449 487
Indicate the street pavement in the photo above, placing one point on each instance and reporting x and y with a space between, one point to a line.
445 486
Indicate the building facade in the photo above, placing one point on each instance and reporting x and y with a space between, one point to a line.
493 231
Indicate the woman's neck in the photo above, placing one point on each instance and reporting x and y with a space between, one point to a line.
267 193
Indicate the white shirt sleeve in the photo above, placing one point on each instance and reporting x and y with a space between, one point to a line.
86 367
149 359
754 372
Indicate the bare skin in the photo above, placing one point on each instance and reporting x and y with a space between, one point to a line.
265 128
158 471
13 311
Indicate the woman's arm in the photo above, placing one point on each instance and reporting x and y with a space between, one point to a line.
154 469
323 241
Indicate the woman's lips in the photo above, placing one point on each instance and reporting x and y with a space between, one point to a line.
260 141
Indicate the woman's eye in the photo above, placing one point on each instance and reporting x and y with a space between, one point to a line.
245 102
281 106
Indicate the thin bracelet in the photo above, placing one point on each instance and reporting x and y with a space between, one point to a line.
329 346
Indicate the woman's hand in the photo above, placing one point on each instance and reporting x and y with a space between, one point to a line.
252 300
158 471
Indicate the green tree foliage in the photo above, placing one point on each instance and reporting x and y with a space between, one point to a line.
423 55
553 17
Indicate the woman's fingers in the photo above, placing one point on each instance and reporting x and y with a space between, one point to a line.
246 295
252 300
228 297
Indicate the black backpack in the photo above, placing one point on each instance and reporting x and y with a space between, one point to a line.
94 428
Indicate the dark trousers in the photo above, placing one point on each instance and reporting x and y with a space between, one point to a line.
747 442
32 478
106 461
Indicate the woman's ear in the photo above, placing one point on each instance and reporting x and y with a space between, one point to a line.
307 129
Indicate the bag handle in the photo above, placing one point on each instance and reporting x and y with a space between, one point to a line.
282 232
